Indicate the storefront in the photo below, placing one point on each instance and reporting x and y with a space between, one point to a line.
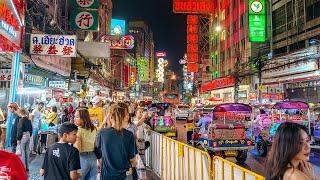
308 91
292 77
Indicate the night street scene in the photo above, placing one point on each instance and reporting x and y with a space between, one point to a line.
159 89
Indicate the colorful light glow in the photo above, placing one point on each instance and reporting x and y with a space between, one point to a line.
257 21
118 27
193 6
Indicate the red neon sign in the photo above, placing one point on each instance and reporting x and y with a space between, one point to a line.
118 42
218 84
10 29
161 54
193 6
192 43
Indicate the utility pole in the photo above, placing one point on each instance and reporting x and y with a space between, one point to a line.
236 75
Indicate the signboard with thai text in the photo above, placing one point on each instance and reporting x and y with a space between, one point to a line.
58 84
84 19
193 6
288 67
218 84
11 25
34 80
5 74
257 21
118 42
56 45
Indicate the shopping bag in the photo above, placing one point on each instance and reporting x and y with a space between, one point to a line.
141 169
18 150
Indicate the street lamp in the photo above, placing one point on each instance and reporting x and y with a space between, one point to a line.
218 28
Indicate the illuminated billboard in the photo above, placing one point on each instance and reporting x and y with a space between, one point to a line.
193 6
118 27
161 54
257 21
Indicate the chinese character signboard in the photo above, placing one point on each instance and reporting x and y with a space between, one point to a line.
87 4
142 69
192 43
118 42
5 74
257 21
193 6
58 45
11 25
118 27
82 19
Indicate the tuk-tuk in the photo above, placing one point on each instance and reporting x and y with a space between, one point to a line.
163 122
284 111
195 114
226 136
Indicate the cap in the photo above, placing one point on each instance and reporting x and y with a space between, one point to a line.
96 100
67 127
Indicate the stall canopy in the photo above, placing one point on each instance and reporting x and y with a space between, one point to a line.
291 105
232 107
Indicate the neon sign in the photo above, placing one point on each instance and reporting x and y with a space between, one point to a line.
218 83
257 21
118 42
193 6
192 43
10 25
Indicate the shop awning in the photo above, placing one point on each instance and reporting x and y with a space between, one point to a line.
94 49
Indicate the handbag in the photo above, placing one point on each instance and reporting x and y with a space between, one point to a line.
51 122
18 150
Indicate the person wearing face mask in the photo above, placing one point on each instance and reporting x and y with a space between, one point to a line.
289 155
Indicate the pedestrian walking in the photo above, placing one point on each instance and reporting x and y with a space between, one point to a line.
24 132
13 109
118 148
61 160
85 143
289 155
36 117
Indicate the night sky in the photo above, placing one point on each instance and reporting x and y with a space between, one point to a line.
169 29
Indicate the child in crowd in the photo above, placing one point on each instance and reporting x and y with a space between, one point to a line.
61 160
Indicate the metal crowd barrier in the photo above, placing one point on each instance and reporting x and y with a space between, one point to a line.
224 169
174 160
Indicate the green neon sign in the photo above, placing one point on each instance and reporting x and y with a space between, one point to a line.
257 21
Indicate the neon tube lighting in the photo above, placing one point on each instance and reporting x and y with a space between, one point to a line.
16 12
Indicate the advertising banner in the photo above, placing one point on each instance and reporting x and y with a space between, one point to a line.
54 45
58 84
257 21
118 42
118 27
84 19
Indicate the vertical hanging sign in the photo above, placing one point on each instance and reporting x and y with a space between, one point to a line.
257 21
84 15
192 43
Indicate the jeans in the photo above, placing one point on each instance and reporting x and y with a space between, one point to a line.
35 138
25 150
88 162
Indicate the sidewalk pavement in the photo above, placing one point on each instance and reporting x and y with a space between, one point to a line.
36 163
